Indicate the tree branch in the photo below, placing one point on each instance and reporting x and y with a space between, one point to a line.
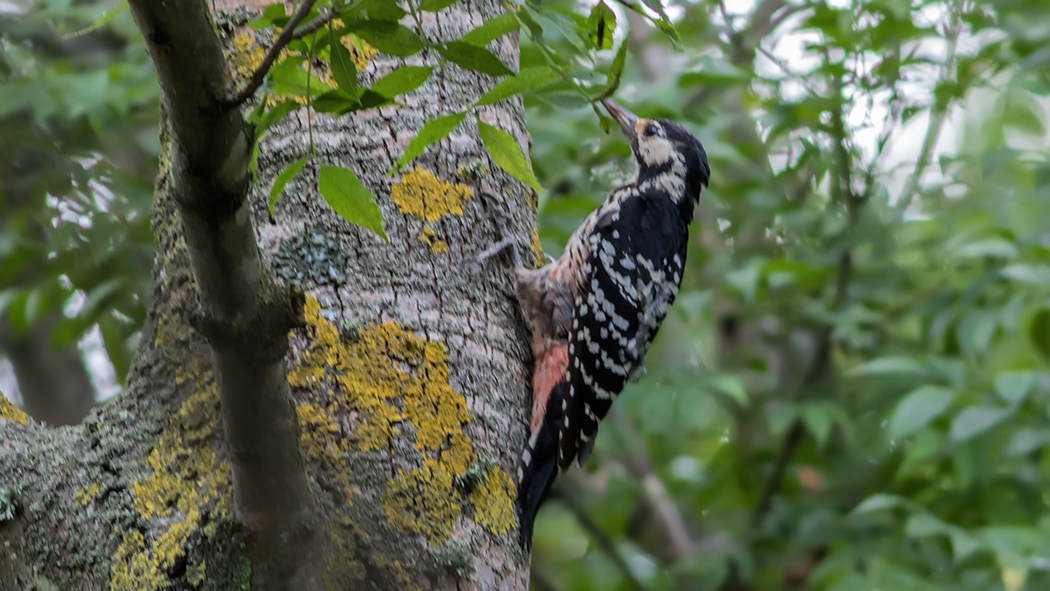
669 519
287 34
244 316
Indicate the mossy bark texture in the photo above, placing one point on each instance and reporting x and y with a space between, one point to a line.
409 379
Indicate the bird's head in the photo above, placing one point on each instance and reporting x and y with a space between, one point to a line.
661 146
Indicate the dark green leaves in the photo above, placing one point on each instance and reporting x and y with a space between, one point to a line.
615 71
282 179
507 155
433 131
526 79
344 192
343 69
918 408
435 5
375 10
389 37
492 29
473 57
601 23
402 80
289 78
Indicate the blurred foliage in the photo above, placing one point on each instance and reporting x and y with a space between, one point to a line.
852 392
78 154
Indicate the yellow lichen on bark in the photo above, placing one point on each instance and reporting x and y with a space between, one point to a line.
395 385
493 502
429 237
423 502
317 433
85 496
534 242
246 56
11 412
421 194
186 478
344 570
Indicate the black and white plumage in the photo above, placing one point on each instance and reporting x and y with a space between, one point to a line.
594 311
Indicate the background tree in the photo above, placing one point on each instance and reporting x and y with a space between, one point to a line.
850 394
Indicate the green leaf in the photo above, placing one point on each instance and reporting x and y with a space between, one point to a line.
492 29
918 408
282 179
433 131
974 420
335 101
657 7
100 297
389 37
526 79
888 365
507 155
963 544
1037 275
374 10
1039 331
878 502
288 78
272 15
115 342
989 247
1013 386
343 69
818 418
402 80
921 525
1025 441
268 117
976 330
344 192
615 71
601 23
473 57
435 5
732 386
97 24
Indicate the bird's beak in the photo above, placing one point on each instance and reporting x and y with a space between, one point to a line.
625 118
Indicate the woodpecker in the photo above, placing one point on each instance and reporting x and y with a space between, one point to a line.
593 311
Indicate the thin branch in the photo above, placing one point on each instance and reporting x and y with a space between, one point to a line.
257 77
933 128
542 582
604 541
668 518
315 24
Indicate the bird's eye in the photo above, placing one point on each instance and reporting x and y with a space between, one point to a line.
651 130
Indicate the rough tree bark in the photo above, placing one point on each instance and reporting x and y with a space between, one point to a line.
409 378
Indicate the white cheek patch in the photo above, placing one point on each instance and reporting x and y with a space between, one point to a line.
655 150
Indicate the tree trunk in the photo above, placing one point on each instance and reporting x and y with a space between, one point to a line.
410 379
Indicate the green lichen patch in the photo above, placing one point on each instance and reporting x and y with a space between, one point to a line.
455 557
311 257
